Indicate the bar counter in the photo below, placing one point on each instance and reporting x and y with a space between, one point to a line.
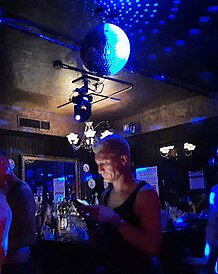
84 257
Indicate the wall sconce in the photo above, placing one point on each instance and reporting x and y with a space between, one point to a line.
89 135
172 152
189 148
168 152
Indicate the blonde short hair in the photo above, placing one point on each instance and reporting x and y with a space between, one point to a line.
114 143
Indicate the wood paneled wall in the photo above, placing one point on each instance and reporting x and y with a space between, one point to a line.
144 149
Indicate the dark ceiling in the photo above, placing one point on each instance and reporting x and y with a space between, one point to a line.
173 54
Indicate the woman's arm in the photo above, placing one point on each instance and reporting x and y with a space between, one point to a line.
5 222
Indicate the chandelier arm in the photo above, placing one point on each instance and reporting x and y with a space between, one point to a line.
102 122
76 147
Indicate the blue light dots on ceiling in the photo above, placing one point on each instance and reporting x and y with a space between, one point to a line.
213 9
160 77
180 43
167 49
152 57
204 19
138 12
194 31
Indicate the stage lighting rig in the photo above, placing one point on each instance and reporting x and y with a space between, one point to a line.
84 100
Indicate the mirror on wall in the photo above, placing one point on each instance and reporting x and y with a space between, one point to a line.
52 178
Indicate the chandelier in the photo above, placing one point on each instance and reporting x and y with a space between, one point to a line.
89 135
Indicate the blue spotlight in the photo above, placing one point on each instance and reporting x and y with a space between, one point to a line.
77 117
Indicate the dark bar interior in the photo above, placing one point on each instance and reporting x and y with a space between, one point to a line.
108 137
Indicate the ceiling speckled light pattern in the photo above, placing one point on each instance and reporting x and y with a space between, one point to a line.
173 52
166 35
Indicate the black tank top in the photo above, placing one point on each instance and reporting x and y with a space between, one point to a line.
114 247
126 209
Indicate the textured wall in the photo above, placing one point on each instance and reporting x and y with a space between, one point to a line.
60 125
175 114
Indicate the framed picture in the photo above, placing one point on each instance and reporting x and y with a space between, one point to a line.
55 177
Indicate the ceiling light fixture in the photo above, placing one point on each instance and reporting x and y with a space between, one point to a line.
89 135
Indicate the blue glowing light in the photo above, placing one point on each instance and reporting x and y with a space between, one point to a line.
77 117
194 31
160 77
85 98
207 250
180 43
204 19
137 11
198 119
211 161
213 9
152 57
162 22
211 199
168 49
179 220
141 169
87 177
155 31
142 38
171 16
175 9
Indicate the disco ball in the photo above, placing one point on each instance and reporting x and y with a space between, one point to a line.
105 49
